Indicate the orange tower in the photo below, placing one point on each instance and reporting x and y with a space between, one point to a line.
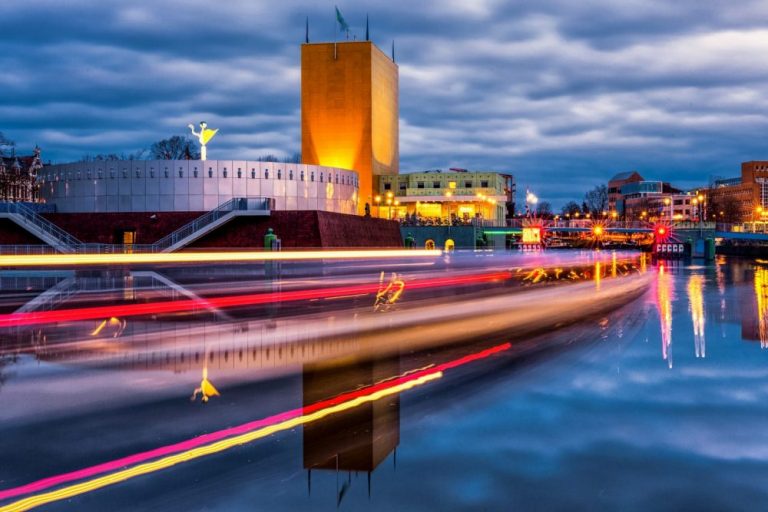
349 111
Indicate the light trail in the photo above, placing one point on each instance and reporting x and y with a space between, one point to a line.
40 260
186 305
221 440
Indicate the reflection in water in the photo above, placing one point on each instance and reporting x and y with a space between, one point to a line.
357 439
206 389
696 301
148 462
761 296
664 298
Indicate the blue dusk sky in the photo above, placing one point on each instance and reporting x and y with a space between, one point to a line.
562 94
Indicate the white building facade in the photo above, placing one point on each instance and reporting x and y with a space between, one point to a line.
194 185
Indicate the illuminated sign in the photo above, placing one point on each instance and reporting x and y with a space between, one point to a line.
532 235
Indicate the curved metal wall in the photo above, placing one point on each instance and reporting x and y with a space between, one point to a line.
194 185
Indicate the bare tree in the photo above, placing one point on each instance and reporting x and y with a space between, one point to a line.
596 200
139 154
544 209
570 208
726 208
177 147
295 158
268 158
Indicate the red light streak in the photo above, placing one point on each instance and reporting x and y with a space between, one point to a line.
156 308
205 439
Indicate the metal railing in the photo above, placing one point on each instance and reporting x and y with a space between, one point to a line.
234 204
68 243
63 239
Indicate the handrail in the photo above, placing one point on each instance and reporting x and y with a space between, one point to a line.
72 244
234 204
48 227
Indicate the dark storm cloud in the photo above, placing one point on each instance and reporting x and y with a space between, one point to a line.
563 94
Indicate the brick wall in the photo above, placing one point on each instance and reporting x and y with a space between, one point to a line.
104 228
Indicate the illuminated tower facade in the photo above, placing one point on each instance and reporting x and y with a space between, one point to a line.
349 111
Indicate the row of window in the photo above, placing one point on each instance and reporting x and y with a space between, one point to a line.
435 184
345 179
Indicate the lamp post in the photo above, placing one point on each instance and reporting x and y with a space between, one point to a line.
702 210
377 200
389 208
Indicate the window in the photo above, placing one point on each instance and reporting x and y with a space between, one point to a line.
239 173
403 185
181 173
312 176
290 174
89 175
266 174
321 177
78 174
166 172
253 174
225 172
125 173
279 174
302 175
435 184
484 184
99 175
111 175
210 172
194 173
151 173
337 179
451 184
387 186
419 184
467 184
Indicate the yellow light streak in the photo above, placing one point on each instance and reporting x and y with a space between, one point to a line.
696 300
38 260
202 451
761 295
99 328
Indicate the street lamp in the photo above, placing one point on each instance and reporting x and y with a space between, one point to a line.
377 200
389 208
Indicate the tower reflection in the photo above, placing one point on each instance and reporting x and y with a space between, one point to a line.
358 439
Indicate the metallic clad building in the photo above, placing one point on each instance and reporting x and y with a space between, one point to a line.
349 110
194 185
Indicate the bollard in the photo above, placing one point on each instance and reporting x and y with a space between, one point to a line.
709 249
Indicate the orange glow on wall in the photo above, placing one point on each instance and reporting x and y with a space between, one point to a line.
349 111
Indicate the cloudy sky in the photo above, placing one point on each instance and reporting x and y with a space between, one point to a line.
563 94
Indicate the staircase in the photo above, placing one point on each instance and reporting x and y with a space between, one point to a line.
63 242
39 226
235 207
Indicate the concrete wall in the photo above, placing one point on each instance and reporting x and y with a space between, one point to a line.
463 236
194 185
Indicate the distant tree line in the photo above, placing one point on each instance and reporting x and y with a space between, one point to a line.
595 203
177 147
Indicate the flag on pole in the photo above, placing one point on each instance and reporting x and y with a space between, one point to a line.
341 20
